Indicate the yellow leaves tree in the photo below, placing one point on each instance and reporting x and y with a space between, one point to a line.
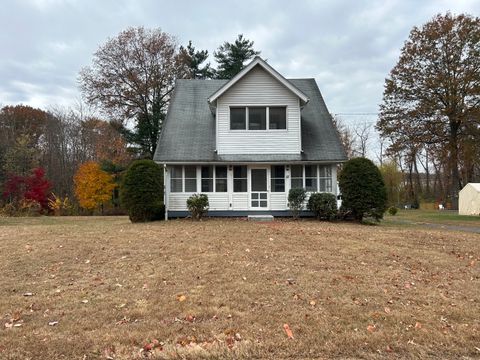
93 186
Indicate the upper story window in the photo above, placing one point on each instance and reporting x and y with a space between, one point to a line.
258 118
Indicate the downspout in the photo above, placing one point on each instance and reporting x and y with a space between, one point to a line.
165 190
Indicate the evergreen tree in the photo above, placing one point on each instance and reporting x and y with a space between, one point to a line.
193 60
231 58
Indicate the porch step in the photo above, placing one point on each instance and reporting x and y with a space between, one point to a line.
260 217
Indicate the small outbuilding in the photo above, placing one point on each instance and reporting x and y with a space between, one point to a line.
469 200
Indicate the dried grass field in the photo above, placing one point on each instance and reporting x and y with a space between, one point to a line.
103 288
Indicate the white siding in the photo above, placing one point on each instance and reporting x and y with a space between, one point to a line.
178 201
258 88
278 201
240 201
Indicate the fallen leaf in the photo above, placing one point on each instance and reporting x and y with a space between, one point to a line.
313 303
181 298
8 325
288 331
28 294
387 310
418 325
53 323
371 328
84 301
190 318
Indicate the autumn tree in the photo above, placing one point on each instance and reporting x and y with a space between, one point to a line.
131 78
231 57
432 95
393 179
93 186
192 60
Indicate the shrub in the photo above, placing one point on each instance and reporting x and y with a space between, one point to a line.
60 206
296 198
141 191
28 192
392 210
197 204
323 205
363 189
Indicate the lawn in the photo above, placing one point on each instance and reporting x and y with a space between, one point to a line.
102 288
445 217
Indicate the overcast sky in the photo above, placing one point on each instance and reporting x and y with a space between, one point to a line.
347 46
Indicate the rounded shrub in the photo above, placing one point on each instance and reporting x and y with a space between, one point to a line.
392 210
363 189
296 198
197 204
141 191
323 205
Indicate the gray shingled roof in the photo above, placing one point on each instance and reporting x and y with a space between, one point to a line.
188 133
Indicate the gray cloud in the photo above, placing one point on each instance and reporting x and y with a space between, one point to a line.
348 46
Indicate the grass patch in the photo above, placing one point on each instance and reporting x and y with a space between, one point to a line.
433 216
225 288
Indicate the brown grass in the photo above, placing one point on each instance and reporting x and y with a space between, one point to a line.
346 291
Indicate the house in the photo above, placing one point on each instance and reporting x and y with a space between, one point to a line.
469 199
246 142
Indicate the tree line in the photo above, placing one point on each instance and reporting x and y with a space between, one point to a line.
127 89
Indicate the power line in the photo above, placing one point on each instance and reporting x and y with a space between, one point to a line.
356 114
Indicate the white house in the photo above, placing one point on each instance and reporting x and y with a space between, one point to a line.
469 199
246 142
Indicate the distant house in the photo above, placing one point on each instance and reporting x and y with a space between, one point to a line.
469 199
246 142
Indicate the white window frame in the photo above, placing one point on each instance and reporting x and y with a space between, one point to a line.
247 122
183 178
214 179
317 177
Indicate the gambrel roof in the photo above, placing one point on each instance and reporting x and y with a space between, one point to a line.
188 134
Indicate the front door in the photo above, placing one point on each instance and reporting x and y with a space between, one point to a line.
258 189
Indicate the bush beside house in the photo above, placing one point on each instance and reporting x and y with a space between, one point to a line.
296 198
363 190
198 205
141 192
323 205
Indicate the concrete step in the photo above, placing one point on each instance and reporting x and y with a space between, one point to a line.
260 217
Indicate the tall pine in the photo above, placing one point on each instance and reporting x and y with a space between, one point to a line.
231 57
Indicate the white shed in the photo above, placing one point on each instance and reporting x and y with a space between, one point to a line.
469 200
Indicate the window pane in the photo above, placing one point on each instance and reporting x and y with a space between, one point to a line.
221 172
221 185
263 204
297 183
190 185
326 185
191 172
297 171
278 118
239 172
254 203
237 119
278 185
207 172
176 172
257 118
207 185
325 171
176 185
310 171
240 185
278 171
311 184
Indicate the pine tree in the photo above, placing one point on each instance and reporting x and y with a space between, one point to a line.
193 60
231 58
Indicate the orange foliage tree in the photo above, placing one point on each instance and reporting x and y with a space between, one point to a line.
93 186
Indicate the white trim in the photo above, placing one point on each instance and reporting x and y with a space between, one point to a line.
258 61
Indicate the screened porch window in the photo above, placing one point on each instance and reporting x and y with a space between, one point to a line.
214 178
311 178
239 179
297 176
278 178
176 179
190 179
325 178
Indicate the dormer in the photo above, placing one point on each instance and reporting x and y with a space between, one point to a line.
258 112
